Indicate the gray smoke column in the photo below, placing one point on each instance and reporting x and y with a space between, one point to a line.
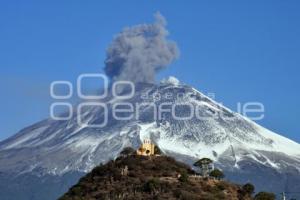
138 52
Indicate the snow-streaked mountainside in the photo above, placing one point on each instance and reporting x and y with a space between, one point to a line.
237 144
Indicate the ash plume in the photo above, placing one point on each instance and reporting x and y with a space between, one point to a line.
137 53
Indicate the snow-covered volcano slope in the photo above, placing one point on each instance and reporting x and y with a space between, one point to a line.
231 140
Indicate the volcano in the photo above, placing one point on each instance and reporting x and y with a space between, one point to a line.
43 160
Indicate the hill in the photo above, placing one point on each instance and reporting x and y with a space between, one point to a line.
155 177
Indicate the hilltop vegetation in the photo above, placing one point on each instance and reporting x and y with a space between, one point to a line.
155 177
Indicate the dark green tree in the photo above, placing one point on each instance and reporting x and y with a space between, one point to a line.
157 150
127 151
264 196
248 188
152 185
184 177
202 161
205 165
216 173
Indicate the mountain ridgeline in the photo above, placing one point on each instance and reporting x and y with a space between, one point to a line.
52 155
